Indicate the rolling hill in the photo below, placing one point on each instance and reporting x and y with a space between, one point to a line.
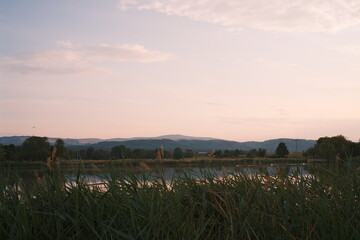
170 142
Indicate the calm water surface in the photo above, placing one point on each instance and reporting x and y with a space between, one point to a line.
195 172
96 175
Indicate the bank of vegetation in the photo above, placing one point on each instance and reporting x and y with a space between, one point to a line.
324 205
336 148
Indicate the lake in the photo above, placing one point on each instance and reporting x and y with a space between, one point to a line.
94 175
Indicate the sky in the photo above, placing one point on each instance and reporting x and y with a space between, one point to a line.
232 69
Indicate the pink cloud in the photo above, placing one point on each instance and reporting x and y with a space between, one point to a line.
279 15
77 59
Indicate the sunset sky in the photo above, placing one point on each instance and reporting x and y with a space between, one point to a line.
231 69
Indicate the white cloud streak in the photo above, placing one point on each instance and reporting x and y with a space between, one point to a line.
77 59
124 4
123 53
46 62
276 15
66 44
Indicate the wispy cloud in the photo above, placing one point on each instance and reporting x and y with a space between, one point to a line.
46 62
278 15
66 44
234 29
125 52
124 4
77 59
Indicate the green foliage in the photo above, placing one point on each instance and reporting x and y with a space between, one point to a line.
354 149
119 152
237 207
332 148
61 152
311 152
35 149
252 153
189 153
2 153
12 152
219 154
230 153
261 152
282 150
178 153
256 153
138 153
101 154
237 153
167 154
326 150
90 153
227 154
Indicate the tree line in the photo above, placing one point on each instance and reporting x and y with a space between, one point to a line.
32 149
39 149
334 148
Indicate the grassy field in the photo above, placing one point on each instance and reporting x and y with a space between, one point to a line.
241 206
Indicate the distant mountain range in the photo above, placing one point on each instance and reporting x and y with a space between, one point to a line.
170 142
18 140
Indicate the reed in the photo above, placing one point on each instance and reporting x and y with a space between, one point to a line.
239 206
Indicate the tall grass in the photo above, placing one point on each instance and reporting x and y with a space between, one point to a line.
240 206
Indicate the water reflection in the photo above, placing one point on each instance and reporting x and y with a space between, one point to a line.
169 174
27 178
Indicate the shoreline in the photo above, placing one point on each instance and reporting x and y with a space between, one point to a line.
165 162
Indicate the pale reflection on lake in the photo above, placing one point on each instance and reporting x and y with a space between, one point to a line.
94 176
169 174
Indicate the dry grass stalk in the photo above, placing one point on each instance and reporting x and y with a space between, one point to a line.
145 166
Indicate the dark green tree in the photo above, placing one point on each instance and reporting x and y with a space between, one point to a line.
311 152
89 153
101 154
81 154
282 150
355 149
218 154
138 153
227 154
151 154
237 153
332 148
2 153
35 149
167 154
252 153
61 151
178 153
188 153
119 152
326 150
342 146
261 152
12 152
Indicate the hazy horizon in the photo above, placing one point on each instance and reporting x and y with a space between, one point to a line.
236 70
161 136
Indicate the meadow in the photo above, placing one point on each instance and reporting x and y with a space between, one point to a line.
323 205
